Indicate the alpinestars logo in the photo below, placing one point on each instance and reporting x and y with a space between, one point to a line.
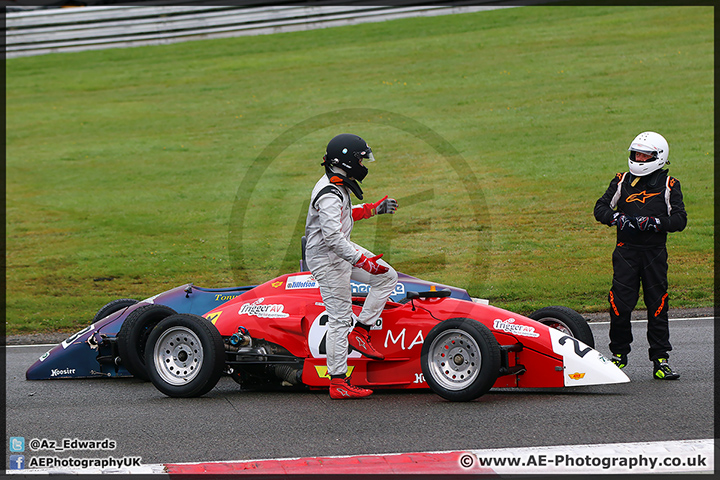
640 197
361 342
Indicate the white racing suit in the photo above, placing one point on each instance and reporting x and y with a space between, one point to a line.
330 256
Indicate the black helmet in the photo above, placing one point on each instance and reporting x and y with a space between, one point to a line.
347 152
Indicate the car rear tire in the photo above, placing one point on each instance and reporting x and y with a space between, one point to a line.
567 321
134 333
112 307
460 359
185 356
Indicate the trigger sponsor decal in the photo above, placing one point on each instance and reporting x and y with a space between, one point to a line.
276 284
576 376
213 316
296 282
258 309
322 371
510 326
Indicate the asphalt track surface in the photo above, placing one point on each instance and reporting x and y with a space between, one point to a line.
228 424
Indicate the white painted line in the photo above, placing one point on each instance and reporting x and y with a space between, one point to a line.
34 345
150 469
686 319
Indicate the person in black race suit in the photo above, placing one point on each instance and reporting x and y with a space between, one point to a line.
644 204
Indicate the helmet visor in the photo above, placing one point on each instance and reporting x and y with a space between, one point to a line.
646 155
365 155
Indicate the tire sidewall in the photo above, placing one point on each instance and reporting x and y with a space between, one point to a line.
575 322
134 333
490 360
112 307
212 365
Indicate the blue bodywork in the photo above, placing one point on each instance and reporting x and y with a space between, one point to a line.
92 352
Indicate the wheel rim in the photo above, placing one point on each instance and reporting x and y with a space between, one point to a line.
557 325
454 359
178 355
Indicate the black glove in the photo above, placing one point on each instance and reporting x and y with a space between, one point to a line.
623 221
387 205
648 224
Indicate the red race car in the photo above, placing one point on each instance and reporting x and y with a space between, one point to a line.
432 335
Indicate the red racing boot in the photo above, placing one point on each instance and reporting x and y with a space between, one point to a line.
340 389
359 339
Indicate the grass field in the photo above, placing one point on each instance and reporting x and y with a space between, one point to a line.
130 171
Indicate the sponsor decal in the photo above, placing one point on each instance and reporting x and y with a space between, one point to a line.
45 355
296 282
365 288
419 378
576 376
58 373
377 325
257 309
510 326
276 284
224 298
391 337
322 371
213 316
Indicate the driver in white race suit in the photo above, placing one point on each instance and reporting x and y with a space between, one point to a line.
334 260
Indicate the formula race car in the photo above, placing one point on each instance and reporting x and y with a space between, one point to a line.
433 336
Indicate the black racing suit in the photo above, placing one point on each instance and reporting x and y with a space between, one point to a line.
641 256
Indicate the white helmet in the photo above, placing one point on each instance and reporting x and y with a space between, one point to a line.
649 143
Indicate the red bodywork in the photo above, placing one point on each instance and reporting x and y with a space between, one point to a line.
295 319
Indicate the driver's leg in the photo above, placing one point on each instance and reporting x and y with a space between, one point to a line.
381 287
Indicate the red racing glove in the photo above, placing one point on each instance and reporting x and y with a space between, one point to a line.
367 210
370 265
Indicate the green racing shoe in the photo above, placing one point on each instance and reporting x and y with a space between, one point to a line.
619 359
662 370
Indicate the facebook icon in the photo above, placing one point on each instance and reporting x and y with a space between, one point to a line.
17 462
